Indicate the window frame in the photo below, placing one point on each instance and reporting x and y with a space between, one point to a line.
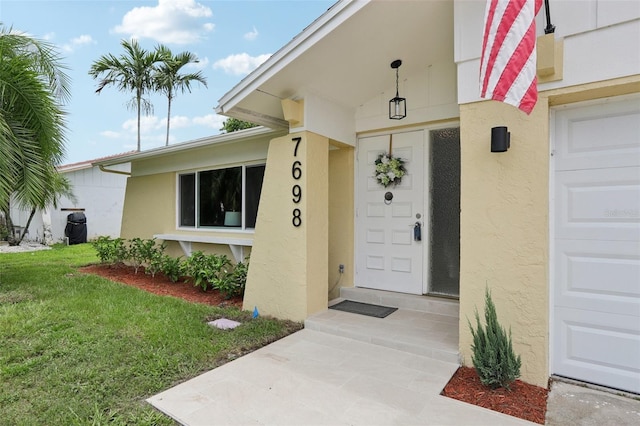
197 227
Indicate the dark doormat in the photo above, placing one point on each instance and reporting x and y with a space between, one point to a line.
363 308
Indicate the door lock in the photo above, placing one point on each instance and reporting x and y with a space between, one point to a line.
417 231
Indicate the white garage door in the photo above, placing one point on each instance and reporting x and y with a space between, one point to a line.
596 238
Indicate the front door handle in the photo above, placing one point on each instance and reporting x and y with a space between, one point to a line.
417 231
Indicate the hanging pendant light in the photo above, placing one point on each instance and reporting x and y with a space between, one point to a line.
397 105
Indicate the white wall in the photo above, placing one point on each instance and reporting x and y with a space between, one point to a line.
430 93
601 41
100 194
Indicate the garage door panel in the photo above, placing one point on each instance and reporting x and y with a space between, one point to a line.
602 204
598 136
596 243
603 350
598 276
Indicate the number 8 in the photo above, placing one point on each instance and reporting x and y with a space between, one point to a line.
296 220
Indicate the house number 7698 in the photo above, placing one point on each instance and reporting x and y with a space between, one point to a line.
296 190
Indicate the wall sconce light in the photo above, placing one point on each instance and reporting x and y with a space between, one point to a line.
500 139
397 105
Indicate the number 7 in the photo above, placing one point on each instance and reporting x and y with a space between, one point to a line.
297 141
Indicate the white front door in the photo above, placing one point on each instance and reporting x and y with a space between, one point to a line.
596 243
388 256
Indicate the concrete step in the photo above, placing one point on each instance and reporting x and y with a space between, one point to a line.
427 328
435 305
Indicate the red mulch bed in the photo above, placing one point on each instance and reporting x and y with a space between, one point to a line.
161 285
525 401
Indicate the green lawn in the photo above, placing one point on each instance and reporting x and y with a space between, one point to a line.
79 349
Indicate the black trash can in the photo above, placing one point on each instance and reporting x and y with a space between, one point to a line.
76 229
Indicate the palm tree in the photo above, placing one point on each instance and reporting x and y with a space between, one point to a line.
33 86
168 79
132 71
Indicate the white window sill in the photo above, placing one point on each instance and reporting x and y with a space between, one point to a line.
236 245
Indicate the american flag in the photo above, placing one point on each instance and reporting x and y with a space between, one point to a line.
508 63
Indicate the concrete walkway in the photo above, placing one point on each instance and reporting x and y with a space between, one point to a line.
349 369
314 378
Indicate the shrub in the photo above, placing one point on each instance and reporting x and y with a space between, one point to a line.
233 283
171 267
205 269
142 252
156 259
110 251
493 357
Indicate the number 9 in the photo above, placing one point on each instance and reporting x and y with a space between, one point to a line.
297 193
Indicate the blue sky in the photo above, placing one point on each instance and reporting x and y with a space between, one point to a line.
229 37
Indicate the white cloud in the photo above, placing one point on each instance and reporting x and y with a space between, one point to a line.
241 63
178 122
110 134
76 42
49 36
200 65
148 124
251 35
171 21
210 120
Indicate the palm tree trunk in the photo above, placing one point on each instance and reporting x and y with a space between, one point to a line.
26 227
138 100
6 209
168 118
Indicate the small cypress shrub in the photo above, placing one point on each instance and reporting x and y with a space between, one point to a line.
493 357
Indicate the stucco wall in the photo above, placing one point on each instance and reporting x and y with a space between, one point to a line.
504 229
341 215
150 206
288 273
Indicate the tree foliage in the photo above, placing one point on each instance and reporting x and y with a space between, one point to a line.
170 81
493 357
233 125
33 88
130 72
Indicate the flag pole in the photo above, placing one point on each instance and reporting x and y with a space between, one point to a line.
549 29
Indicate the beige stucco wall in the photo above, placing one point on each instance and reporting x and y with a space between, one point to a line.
504 225
504 229
288 273
341 214
150 206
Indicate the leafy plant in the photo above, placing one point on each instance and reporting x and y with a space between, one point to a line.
171 267
220 270
233 283
493 357
141 252
110 251
206 270
156 259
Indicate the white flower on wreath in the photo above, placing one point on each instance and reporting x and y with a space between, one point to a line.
389 170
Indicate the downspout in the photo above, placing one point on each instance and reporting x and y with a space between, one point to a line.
118 172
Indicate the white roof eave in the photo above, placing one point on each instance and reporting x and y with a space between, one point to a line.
233 137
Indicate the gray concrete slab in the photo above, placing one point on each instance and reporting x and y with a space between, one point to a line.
314 378
572 405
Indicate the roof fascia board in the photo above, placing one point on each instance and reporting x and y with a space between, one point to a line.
74 167
252 133
315 32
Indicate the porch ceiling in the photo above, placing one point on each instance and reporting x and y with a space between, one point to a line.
345 57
